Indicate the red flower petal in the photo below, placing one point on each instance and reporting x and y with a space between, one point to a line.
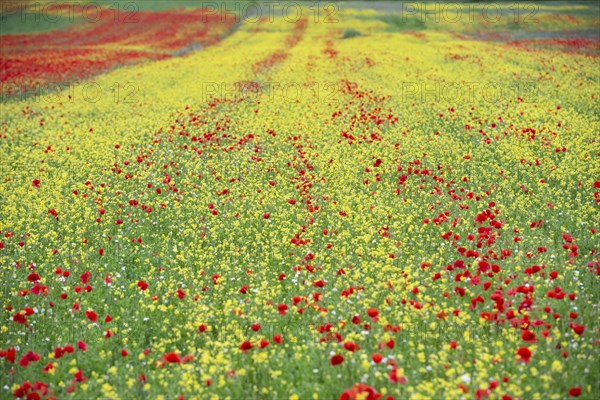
337 359
575 392
172 358
92 316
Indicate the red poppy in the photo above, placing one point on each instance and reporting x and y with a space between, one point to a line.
244 347
575 392
58 352
78 376
578 329
85 277
373 313
277 338
360 391
33 277
351 346
524 354
19 318
172 358
9 354
395 378
282 309
28 358
91 315
142 285
529 336
337 359
376 358
35 183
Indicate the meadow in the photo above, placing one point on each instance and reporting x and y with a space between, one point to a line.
337 201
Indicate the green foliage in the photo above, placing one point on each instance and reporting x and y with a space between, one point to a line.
350 33
26 22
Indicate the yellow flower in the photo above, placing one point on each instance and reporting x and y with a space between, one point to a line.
556 366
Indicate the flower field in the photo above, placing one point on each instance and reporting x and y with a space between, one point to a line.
346 204
111 38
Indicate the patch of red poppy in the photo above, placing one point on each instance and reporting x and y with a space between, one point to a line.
172 358
394 377
28 358
337 359
360 391
91 315
245 346
524 354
